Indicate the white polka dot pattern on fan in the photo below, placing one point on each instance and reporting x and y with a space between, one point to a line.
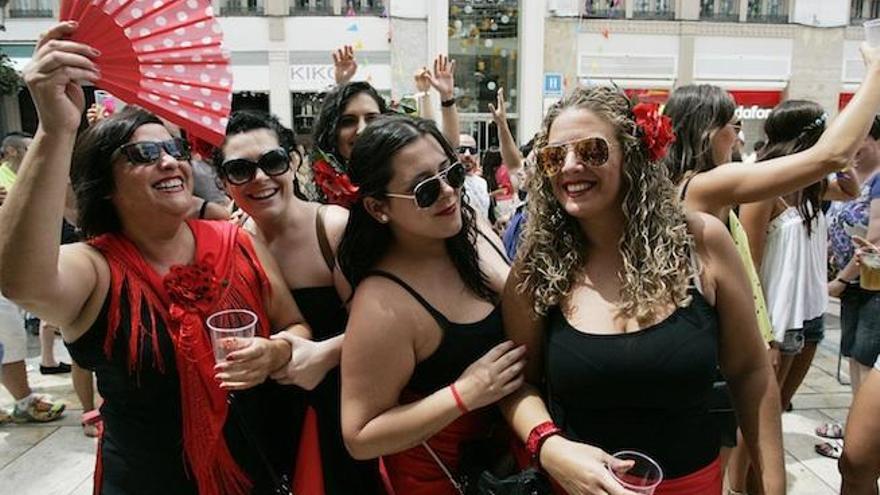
183 70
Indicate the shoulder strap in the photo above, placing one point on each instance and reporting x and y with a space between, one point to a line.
684 188
438 316
455 483
496 248
323 242
203 209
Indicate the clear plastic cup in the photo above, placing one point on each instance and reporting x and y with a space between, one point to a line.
872 32
643 477
869 271
231 330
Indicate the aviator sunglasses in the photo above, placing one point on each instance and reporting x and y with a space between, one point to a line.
240 171
592 151
428 191
148 152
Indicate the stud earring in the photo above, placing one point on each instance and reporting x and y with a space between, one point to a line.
383 218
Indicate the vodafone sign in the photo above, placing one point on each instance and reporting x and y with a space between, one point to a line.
755 105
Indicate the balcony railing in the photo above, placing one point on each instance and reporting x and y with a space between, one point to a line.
654 14
607 13
363 7
304 7
768 18
237 9
19 13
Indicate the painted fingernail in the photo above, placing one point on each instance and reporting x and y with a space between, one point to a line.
96 52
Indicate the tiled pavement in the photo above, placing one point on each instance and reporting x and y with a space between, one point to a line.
57 459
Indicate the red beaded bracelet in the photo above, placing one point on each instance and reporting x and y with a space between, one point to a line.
458 402
538 436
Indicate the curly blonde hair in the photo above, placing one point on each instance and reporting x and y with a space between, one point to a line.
656 245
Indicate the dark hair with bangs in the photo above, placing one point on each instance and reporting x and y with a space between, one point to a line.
794 126
365 240
91 169
244 121
332 108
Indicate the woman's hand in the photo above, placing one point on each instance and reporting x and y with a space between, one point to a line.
870 55
308 365
836 288
443 78
582 469
422 79
250 366
95 113
499 109
494 376
344 64
54 75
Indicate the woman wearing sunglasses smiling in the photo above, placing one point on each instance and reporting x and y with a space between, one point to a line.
257 164
423 354
132 300
626 305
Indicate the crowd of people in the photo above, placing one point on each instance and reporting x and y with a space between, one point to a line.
433 319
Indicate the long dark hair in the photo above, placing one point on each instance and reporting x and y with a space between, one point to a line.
366 241
794 126
696 111
248 120
91 169
327 125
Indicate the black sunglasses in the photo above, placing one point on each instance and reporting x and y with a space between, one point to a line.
240 171
469 149
593 151
148 152
427 191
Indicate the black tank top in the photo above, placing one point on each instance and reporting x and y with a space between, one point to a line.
142 448
646 391
460 345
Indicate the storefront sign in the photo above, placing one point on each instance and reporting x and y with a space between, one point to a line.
319 77
844 100
755 105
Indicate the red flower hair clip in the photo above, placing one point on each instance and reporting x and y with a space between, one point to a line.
655 130
334 184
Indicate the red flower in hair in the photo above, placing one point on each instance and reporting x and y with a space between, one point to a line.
655 130
335 185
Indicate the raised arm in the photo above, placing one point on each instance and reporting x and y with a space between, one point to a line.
509 152
443 80
33 271
742 353
740 183
344 65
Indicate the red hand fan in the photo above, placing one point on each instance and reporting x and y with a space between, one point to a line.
164 55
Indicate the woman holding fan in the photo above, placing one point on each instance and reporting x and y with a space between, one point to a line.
132 301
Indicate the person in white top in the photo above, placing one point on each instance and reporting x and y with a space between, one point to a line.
475 186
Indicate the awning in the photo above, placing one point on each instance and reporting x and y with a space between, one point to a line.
844 100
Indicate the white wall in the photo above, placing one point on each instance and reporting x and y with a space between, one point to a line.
718 58
821 13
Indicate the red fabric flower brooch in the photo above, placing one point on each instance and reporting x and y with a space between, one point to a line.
334 184
193 287
655 130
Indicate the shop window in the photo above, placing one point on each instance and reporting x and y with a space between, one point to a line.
768 11
654 9
242 7
719 10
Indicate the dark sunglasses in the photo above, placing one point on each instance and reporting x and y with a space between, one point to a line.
427 191
469 149
240 171
147 152
592 151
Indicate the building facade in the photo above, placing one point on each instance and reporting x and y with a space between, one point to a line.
762 51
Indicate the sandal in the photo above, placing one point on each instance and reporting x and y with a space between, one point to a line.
834 431
92 423
831 450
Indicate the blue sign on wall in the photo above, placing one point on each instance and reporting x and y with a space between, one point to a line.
552 84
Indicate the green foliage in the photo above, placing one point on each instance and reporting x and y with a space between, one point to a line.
10 79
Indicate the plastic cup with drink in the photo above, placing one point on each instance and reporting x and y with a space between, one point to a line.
643 477
231 330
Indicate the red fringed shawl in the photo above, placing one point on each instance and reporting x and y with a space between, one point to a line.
226 274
